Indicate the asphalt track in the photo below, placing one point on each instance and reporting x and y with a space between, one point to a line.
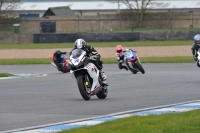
28 102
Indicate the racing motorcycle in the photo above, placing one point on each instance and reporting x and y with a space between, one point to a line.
87 75
60 61
198 53
133 62
198 58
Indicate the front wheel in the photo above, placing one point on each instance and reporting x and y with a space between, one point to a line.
102 94
82 83
141 69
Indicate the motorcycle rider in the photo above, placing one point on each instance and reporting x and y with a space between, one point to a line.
57 55
120 56
92 54
195 48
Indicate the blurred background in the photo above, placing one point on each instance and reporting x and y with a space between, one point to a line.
28 20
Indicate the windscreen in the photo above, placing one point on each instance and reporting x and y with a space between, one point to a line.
65 55
128 53
76 53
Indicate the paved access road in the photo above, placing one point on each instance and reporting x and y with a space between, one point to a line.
28 102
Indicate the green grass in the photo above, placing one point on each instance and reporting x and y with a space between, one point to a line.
6 75
177 59
96 44
186 122
24 61
3 32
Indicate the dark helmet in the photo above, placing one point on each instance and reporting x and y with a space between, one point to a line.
80 43
58 52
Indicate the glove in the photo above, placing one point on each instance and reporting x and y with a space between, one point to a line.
93 57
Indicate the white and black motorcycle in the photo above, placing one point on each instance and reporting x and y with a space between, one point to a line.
87 75
198 53
198 58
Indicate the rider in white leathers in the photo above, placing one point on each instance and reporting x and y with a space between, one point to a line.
195 48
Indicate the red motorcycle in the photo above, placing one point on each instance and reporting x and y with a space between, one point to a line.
60 61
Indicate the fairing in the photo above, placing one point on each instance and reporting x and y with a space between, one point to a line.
130 56
79 61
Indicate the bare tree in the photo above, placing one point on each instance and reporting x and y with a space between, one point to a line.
8 14
138 8
7 8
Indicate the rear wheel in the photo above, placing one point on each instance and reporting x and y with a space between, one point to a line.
102 94
63 70
82 85
132 70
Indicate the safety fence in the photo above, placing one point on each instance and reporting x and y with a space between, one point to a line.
98 37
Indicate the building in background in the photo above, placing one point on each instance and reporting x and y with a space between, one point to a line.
95 7
61 16
59 11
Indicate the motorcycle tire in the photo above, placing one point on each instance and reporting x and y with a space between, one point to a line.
61 68
102 94
82 87
141 69
133 71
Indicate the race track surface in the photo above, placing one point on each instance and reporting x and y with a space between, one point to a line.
27 102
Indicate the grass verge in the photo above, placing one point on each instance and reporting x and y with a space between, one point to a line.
6 75
186 122
96 44
24 61
176 59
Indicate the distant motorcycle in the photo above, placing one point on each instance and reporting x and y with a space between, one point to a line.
133 62
60 61
87 75
198 58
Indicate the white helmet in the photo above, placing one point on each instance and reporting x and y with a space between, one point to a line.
197 38
80 43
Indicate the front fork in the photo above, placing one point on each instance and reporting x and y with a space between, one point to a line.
132 65
87 83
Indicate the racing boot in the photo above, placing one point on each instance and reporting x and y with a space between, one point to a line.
103 76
